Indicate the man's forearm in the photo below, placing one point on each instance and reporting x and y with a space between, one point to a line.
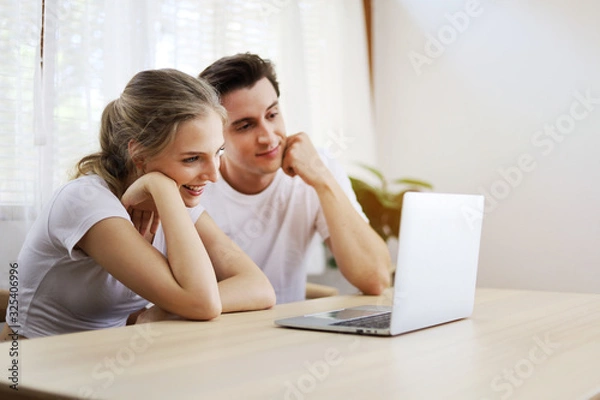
361 254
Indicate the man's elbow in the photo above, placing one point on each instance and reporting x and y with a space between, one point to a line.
377 283
376 286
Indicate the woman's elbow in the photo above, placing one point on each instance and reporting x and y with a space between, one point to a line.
270 298
265 294
206 310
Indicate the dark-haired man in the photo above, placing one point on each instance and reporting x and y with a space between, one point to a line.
277 191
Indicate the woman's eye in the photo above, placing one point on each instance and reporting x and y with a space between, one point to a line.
191 159
220 151
273 115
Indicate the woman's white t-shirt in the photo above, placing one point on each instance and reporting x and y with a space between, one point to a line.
61 289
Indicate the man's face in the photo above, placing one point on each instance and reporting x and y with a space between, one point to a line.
255 133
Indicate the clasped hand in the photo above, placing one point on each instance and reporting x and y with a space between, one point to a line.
301 158
139 203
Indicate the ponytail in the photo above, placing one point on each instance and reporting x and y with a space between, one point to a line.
148 112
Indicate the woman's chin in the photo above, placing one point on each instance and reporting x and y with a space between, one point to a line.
189 201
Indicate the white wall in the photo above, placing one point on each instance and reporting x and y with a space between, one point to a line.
476 114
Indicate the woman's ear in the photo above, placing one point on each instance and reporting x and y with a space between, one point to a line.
134 150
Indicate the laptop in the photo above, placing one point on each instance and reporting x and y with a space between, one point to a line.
436 271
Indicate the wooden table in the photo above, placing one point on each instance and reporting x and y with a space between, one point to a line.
517 345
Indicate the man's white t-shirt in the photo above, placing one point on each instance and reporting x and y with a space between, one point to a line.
276 226
61 289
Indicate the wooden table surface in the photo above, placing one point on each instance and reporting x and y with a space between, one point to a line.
516 345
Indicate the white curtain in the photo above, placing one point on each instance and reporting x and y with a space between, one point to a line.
56 83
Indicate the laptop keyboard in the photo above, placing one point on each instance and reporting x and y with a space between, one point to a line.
379 321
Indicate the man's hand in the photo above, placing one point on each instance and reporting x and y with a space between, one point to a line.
301 158
361 255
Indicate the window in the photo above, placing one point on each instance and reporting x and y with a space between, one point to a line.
50 114
19 46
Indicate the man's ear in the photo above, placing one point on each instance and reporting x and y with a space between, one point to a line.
134 150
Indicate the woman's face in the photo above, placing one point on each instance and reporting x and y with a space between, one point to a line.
192 158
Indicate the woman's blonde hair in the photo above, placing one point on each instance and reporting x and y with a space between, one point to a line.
148 111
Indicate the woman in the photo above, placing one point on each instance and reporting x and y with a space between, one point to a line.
88 262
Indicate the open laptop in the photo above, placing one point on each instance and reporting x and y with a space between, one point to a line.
436 271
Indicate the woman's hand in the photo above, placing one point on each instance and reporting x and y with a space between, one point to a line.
182 281
154 314
140 192
139 203
146 222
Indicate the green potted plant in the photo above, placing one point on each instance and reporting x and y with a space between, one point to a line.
382 204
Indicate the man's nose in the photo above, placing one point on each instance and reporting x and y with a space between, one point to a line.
266 133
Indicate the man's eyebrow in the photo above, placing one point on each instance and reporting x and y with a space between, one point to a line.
239 121
248 119
275 103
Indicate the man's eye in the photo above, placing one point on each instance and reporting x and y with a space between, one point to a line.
191 159
273 115
244 127
220 151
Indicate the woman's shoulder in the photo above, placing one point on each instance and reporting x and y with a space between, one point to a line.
85 188
89 192
91 180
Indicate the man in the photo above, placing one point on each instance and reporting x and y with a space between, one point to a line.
276 191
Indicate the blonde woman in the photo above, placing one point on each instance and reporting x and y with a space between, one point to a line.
89 261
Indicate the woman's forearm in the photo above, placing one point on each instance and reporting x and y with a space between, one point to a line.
187 257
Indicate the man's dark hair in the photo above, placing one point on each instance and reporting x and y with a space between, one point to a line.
239 71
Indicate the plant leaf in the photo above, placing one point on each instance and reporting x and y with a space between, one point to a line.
386 199
393 222
375 172
381 206
370 202
413 182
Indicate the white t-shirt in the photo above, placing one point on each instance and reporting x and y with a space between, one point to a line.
276 226
61 289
